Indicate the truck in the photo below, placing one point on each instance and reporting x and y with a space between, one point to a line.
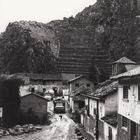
59 105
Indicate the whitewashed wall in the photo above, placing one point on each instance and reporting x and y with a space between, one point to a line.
81 81
111 103
93 104
106 132
101 109
86 101
71 104
24 90
129 108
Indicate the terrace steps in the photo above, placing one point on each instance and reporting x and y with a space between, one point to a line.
78 60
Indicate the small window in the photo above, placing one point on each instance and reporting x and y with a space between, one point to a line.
77 85
44 89
124 122
95 111
138 92
88 85
125 92
32 90
88 110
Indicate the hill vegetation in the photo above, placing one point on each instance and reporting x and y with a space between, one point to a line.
111 26
27 47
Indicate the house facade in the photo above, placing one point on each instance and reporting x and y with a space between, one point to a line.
39 83
95 109
80 81
129 105
75 86
122 65
46 79
100 117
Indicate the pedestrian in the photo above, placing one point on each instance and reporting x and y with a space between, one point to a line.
60 117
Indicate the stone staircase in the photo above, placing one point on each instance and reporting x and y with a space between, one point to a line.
77 60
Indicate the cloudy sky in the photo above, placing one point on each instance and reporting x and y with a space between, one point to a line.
39 10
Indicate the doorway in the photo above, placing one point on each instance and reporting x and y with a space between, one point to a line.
109 133
133 131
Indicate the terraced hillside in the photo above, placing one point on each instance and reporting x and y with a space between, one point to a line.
78 60
104 31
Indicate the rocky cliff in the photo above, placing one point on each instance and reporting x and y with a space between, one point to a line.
100 34
109 24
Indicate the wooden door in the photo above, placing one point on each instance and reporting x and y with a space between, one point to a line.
109 133
133 131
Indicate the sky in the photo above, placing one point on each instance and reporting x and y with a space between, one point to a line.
39 10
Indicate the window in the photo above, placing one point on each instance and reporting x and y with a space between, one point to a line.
138 92
125 92
88 108
77 85
124 122
88 85
44 89
32 90
88 111
95 111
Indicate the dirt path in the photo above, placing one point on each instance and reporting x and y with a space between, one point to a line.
60 129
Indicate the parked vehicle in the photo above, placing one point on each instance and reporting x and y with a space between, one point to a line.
48 96
59 106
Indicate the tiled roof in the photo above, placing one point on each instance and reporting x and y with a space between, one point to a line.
37 95
131 73
38 76
125 60
105 89
111 119
82 90
76 78
45 76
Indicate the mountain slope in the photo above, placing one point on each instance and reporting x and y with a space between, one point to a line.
100 34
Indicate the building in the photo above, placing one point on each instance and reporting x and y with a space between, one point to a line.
66 93
129 105
38 78
34 103
46 79
79 102
80 81
60 105
135 5
100 117
122 65
75 86
39 83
